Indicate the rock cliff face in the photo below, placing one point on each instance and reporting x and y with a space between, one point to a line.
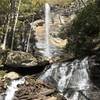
59 17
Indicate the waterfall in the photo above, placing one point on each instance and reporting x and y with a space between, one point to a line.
47 28
68 76
28 42
10 92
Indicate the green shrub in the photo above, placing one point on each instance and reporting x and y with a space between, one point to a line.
85 30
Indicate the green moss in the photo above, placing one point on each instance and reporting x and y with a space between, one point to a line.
2 73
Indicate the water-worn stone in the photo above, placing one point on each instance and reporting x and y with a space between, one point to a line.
11 75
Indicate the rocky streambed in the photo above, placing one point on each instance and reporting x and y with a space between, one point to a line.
17 64
54 79
66 80
32 89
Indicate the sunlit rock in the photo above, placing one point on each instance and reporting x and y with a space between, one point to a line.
52 98
11 75
1 87
59 42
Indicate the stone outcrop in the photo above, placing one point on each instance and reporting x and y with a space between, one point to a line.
23 59
20 59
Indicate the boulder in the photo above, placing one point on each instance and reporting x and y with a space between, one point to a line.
20 59
23 59
11 75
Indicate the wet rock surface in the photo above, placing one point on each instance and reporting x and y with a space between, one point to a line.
73 79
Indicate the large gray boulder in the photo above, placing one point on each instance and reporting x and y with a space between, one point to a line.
22 59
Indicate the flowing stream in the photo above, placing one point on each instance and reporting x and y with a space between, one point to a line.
68 75
10 92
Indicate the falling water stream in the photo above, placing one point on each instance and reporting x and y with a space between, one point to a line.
47 28
67 75
10 92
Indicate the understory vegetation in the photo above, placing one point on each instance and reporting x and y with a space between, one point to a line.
84 34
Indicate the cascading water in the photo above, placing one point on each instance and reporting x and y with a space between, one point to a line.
28 42
69 75
10 92
47 28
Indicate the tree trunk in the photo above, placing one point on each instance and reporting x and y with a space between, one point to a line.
5 38
14 27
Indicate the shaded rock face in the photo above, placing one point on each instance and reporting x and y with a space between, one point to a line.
72 79
21 62
25 63
94 70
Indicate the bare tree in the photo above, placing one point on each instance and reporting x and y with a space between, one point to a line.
5 37
16 19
